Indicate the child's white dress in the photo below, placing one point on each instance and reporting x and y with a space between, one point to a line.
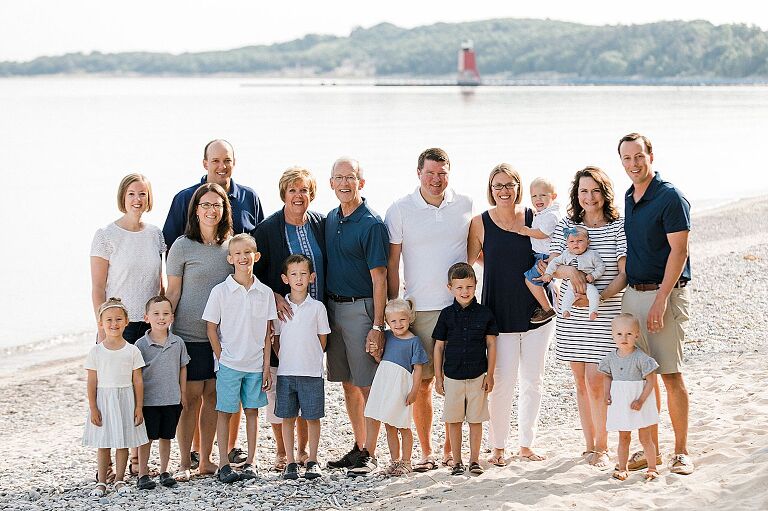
393 381
114 398
628 378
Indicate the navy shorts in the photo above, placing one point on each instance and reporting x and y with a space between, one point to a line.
161 421
200 365
300 393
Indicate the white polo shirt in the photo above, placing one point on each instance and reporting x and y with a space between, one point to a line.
242 315
300 351
432 239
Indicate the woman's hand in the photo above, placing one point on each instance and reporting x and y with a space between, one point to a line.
577 278
580 300
284 311
541 264
95 417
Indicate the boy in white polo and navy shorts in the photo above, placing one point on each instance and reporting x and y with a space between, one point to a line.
301 342
238 313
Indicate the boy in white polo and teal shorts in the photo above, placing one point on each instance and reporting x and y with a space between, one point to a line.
238 313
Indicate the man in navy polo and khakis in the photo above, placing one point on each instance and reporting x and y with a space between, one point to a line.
657 222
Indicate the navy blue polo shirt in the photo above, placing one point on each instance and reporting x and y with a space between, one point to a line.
660 211
464 329
354 245
246 210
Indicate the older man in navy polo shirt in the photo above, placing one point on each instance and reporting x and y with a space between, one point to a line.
657 221
219 162
357 245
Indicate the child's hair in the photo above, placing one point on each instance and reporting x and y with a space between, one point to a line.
461 271
243 236
157 299
625 316
545 183
113 303
400 305
296 259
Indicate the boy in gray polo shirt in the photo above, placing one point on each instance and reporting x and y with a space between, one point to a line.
165 381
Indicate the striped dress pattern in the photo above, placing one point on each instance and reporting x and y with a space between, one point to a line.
579 339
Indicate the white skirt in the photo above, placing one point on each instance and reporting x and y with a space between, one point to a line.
117 431
386 401
623 418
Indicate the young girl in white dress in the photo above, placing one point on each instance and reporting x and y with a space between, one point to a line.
630 379
115 396
396 383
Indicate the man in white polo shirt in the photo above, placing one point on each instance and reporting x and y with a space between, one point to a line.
428 228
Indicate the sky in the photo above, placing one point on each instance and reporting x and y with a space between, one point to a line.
32 28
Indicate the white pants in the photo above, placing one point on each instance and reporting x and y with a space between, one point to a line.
593 297
522 354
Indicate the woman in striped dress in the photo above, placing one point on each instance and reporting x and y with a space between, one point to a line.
580 341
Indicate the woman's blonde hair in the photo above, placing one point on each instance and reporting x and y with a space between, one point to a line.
400 305
123 189
296 173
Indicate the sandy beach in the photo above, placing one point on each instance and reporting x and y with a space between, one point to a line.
43 408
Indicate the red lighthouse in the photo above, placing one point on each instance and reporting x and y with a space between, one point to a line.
468 74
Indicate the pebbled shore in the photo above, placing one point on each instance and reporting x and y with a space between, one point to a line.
42 411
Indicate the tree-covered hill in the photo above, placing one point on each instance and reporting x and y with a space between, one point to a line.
508 48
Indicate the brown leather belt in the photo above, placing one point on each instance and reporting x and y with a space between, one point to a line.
654 287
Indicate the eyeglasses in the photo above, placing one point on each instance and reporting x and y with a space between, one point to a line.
508 186
348 179
218 206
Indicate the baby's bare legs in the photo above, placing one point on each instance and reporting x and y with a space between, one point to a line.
539 293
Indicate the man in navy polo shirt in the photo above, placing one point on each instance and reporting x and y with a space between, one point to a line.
219 161
657 221
357 246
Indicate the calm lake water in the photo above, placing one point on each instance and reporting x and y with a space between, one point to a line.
68 141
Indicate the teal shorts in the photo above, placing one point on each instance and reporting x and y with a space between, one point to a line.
235 387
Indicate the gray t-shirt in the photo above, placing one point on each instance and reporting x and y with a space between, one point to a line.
201 267
634 367
161 372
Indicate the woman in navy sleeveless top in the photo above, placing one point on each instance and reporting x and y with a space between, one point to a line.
521 347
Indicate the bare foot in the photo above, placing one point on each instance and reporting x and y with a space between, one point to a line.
206 468
593 316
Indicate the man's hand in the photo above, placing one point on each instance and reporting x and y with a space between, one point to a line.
655 320
374 343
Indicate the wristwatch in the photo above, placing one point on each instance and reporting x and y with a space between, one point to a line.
380 328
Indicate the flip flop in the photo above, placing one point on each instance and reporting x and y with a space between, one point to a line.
651 475
498 461
532 457
425 465
448 461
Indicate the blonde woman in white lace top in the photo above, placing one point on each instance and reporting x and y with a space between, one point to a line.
126 256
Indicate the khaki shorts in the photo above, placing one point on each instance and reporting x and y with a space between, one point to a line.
666 347
423 328
465 400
